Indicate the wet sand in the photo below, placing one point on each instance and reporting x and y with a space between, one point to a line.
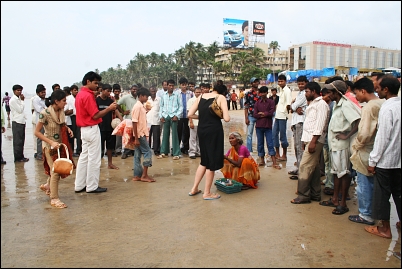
138 224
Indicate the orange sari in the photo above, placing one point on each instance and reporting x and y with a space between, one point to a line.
248 173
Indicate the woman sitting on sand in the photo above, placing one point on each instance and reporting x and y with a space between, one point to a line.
239 165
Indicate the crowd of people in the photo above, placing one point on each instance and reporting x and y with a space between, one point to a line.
343 130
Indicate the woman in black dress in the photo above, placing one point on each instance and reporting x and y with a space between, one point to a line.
210 134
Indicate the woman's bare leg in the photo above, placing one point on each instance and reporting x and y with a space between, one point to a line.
198 177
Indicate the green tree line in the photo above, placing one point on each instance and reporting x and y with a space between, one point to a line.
152 69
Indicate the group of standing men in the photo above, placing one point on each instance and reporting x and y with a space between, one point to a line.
357 125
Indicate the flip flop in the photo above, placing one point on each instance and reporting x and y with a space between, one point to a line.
374 230
340 210
328 191
192 194
294 177
281 159
328 203
212 197
358 219
292 173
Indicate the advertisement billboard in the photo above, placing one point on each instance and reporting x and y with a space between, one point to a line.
235 33
258 28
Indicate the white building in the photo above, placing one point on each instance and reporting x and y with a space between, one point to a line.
318 55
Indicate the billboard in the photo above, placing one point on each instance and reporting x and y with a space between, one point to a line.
258 28
236 33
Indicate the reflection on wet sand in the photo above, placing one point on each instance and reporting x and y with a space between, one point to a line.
137 224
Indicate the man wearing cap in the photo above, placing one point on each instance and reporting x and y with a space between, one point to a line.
251 98
281 118
343 125
128 101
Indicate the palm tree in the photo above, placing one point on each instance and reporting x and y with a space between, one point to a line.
274 46
257 56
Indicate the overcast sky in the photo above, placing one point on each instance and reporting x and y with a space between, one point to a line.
58 42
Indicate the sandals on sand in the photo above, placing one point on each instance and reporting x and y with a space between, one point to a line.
277 166
213 196
340 210
293 173
328 203
374 230
294 177
280 159
192 194
57 203
43 188
358 219
328 191
300 201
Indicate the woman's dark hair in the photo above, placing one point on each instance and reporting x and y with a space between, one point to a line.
57 95
91 76
221 89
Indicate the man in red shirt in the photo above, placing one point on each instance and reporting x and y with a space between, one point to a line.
88 117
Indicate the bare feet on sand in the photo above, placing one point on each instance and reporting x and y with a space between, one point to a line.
112 166
144 179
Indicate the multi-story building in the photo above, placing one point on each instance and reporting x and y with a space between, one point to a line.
318 55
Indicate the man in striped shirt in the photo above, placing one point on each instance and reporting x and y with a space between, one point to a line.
385 158
313 138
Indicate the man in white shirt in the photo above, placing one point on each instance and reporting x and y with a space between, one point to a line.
281 118
385 158
313 137
154 121
19 118
164 89
75 128
68 111
39 105
298 108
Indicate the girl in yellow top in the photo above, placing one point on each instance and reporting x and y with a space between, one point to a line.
53 121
